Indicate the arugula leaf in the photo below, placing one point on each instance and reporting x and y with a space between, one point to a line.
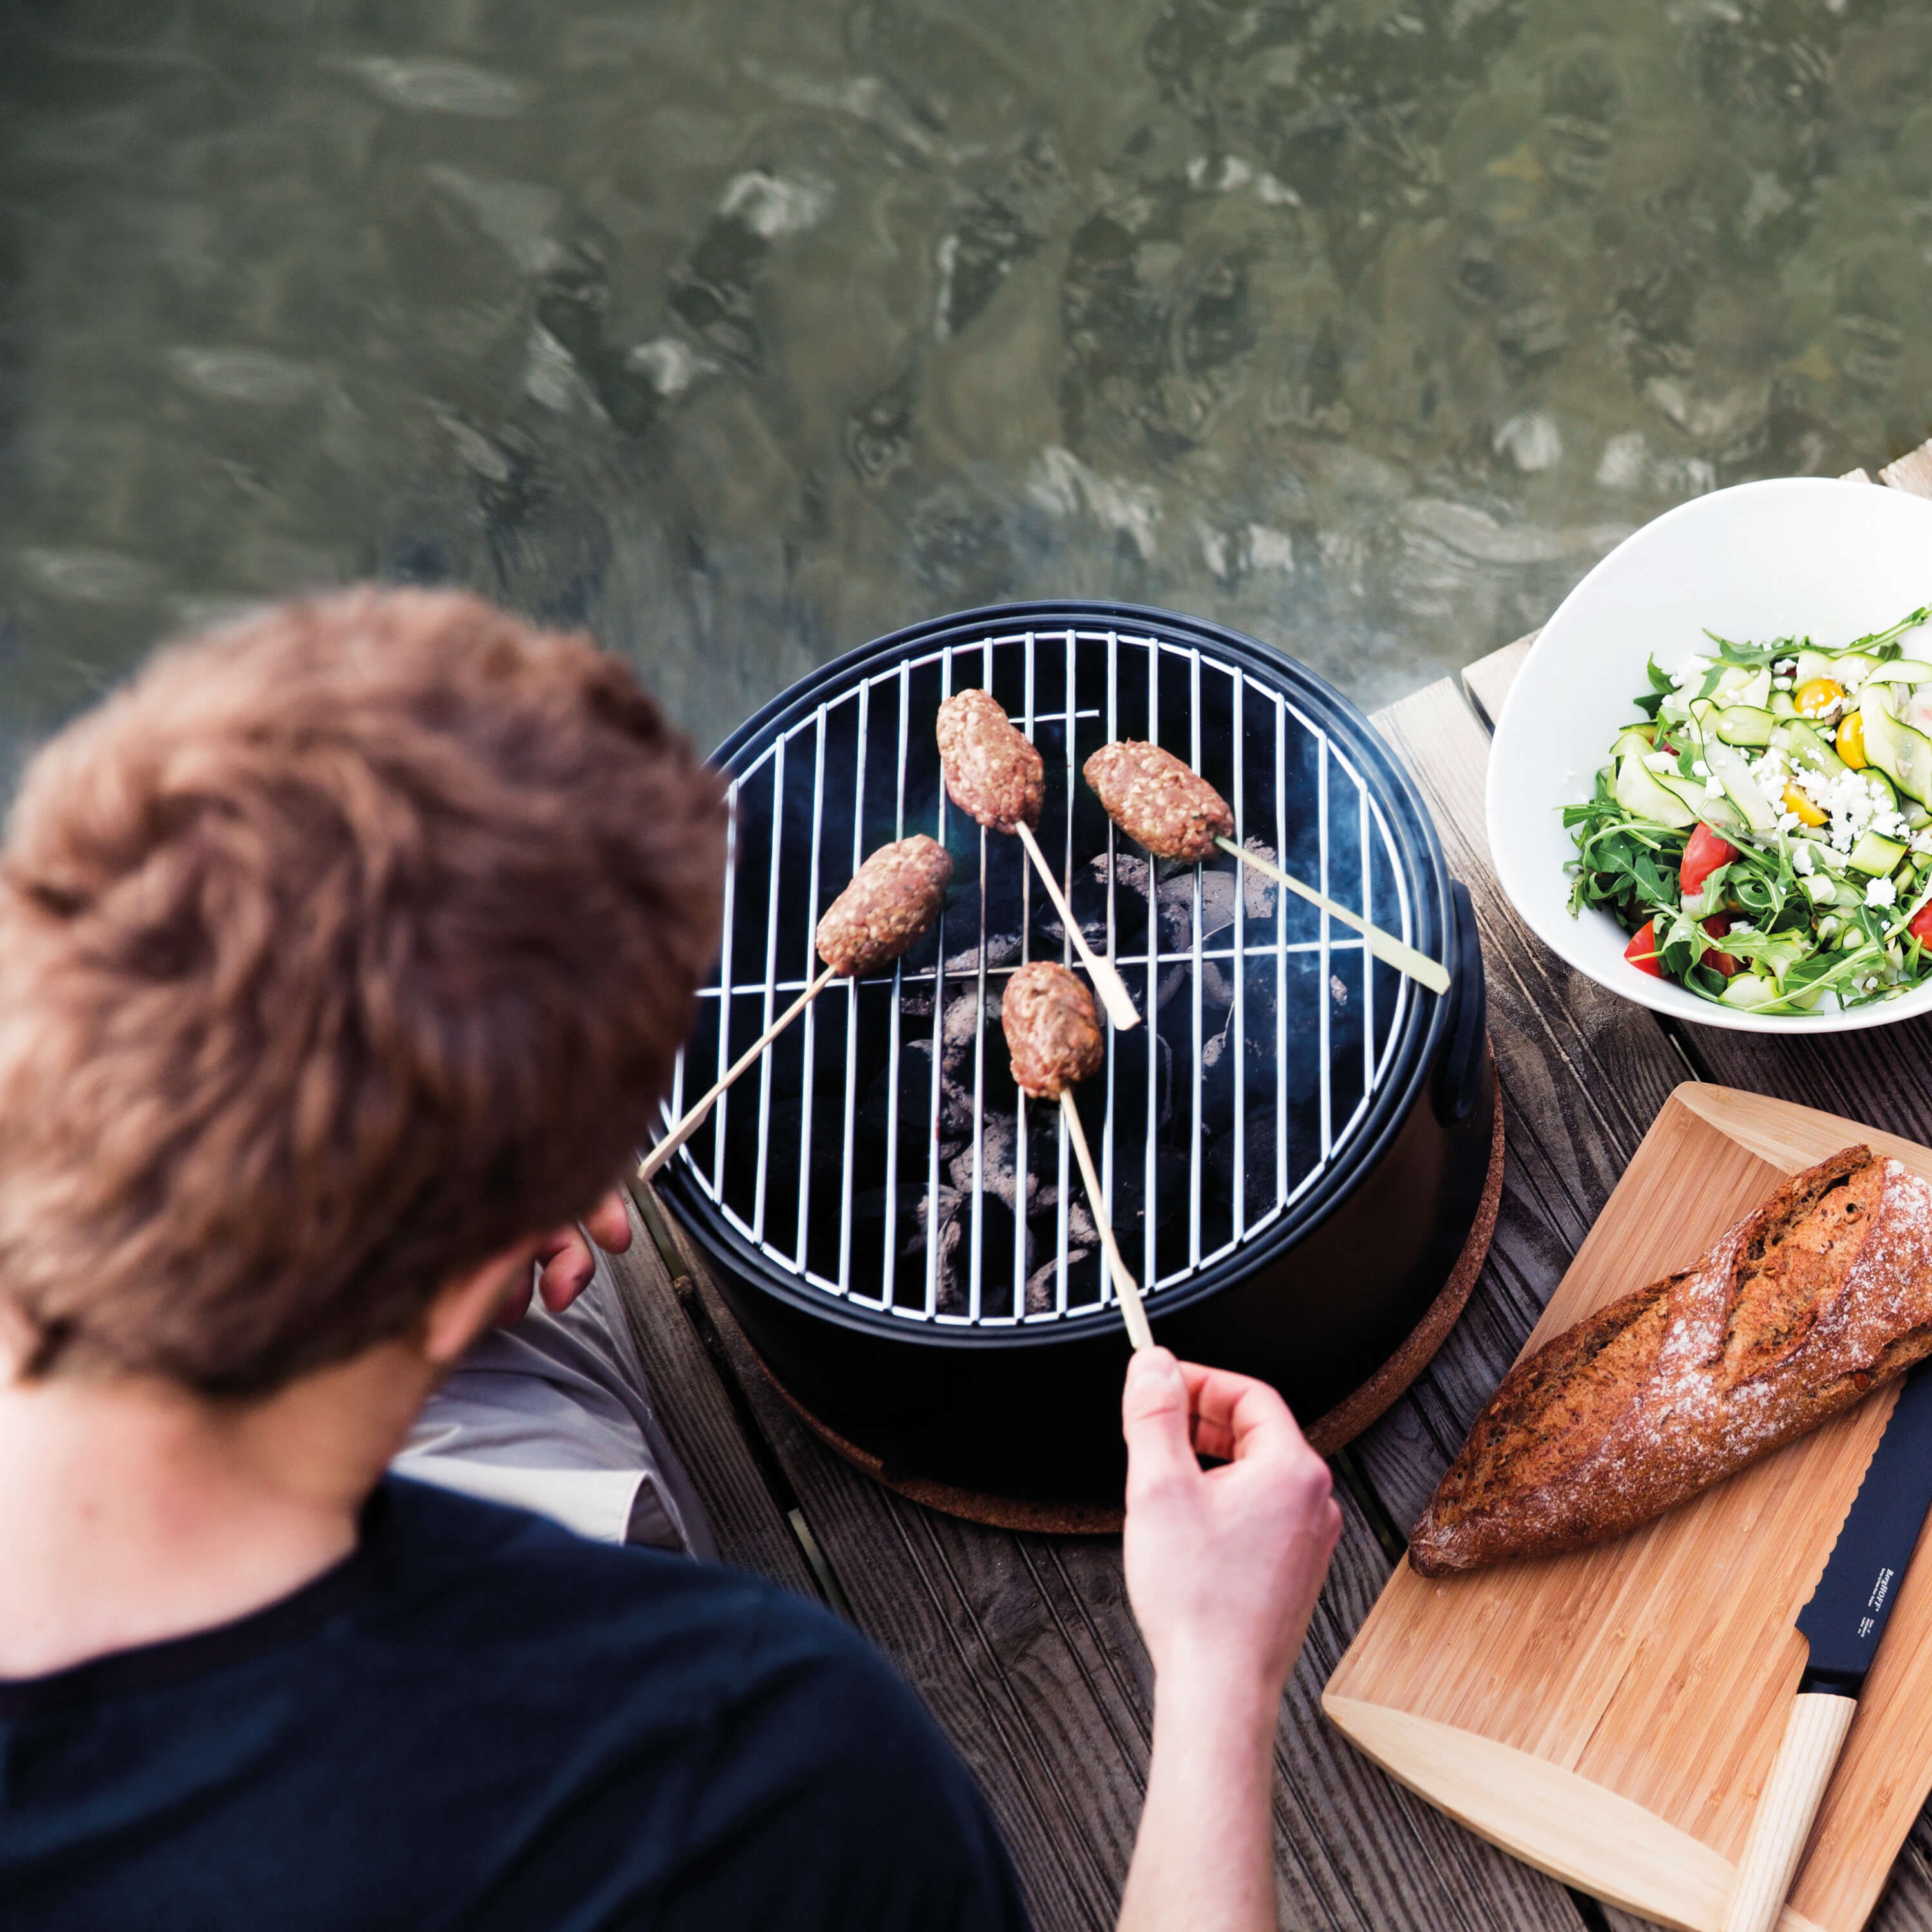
1661 686
1884 645
1752 657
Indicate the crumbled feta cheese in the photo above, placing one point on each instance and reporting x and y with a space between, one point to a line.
1699 768
1742 927
1786 820
1830 734
1785 666
1881 893
1803 859
1781 683
1714 788
1921 840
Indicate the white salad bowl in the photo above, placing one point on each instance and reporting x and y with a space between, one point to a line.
1794 556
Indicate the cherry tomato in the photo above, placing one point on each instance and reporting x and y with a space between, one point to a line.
1703 854
1921 927
1720 962
1642 951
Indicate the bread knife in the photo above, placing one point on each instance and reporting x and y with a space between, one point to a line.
1843 1623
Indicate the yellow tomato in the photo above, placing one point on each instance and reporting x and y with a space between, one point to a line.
1815 699
1852 742
1808 814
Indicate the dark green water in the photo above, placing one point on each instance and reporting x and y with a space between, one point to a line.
744 332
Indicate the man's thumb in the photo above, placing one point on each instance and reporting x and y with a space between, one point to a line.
1154 1417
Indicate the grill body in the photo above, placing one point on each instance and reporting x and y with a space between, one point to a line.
1293 1143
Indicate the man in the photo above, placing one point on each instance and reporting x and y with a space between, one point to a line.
342 958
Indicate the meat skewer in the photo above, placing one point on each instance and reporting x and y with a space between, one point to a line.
1167 807
994 775
893 898
1053 1032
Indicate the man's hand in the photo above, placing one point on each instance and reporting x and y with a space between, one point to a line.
566 1262
1223 1568
1223 1565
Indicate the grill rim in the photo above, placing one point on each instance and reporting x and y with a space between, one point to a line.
1426 1032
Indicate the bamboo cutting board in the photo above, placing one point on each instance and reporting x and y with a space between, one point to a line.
1610 1715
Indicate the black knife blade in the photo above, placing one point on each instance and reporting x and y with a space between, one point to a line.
1846 1615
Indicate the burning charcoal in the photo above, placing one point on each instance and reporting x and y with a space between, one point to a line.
1002 949
915 1089
1217 907
956 1110
868 1232
824 1151
1173 979
1170 1198
961 1026
996 1254
1257 1161
1257 889
998 1141
1213 1048
1088 898
1042 1285
952 1297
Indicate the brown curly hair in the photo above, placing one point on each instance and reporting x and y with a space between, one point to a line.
339 952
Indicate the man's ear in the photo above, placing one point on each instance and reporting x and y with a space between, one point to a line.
467 1305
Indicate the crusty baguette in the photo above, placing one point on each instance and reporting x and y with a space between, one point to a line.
1798 1310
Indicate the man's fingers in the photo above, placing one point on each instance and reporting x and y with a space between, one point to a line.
567 1265
609 1224
1155 1418
1237 1417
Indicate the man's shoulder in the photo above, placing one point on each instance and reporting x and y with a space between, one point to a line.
496 1578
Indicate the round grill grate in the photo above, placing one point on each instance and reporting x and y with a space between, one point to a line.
878 1162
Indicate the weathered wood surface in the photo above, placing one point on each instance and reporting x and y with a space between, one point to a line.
1485 683
696 1412
1884 1076
1583 1073
1025 1649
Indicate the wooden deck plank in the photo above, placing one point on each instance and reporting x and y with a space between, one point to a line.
696 1411
1582 1075
1024 1648
1880 1075
1912 472
1485 683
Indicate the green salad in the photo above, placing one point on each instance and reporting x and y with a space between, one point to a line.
1763 829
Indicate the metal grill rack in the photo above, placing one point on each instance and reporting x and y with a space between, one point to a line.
879 1154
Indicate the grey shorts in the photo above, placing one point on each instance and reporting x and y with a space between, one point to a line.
552 1415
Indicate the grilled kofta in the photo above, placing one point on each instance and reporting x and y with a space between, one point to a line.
1158 802
894 896
991 772
1053 1030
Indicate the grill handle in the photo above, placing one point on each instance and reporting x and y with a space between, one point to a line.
1459 1078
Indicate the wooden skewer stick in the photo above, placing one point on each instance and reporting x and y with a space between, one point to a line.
694 1118
1108 983
1125 1285
1384 946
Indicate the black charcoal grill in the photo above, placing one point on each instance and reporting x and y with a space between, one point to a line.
1295 1142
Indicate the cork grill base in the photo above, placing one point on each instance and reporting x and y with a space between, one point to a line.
1341 1424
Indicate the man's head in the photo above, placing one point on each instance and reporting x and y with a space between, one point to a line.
338 953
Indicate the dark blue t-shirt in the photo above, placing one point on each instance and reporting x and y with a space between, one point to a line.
478 1720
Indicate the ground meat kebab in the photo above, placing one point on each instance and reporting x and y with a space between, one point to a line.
1158 802
894 896
991 772
1052 1028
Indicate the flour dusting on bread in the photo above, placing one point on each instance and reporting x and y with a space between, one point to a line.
1798 1310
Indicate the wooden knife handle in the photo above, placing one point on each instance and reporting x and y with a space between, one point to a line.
1786 1808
